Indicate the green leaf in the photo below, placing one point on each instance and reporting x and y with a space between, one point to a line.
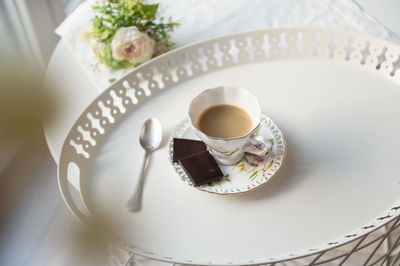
112 80
105 34
97 23
107 53
131 3
254 175
149 11
233 152
120 64
268 166
121 22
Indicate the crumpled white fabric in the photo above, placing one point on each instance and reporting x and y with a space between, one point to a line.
201 20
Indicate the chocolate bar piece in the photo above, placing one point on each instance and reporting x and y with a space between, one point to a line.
186 147
201 168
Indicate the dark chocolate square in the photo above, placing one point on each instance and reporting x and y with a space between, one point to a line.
186 147
201 168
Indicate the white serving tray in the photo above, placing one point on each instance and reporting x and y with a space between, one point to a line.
335 95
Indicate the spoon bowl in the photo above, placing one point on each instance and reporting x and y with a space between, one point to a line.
150 134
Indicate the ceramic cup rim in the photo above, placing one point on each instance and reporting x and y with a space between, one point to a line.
254 128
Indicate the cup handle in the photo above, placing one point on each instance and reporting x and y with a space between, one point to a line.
258 145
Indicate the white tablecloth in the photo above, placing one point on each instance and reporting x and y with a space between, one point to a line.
201 20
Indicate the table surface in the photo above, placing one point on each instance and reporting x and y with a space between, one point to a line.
77 91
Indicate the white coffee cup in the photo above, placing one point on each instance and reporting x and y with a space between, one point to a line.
228 151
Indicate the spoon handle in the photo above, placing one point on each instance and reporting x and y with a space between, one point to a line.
133 203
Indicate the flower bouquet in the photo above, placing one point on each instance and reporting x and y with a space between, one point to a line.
127 33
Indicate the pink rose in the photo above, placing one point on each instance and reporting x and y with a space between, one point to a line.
132 45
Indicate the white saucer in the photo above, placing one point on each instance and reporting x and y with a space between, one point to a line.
250 173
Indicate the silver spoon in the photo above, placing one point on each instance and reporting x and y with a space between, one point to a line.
150 138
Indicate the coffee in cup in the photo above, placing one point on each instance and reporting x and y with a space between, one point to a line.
226 119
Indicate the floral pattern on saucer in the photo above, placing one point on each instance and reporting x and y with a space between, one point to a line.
251 172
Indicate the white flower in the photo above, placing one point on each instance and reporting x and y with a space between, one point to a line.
132 45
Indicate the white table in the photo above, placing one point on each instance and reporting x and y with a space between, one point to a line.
75 91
